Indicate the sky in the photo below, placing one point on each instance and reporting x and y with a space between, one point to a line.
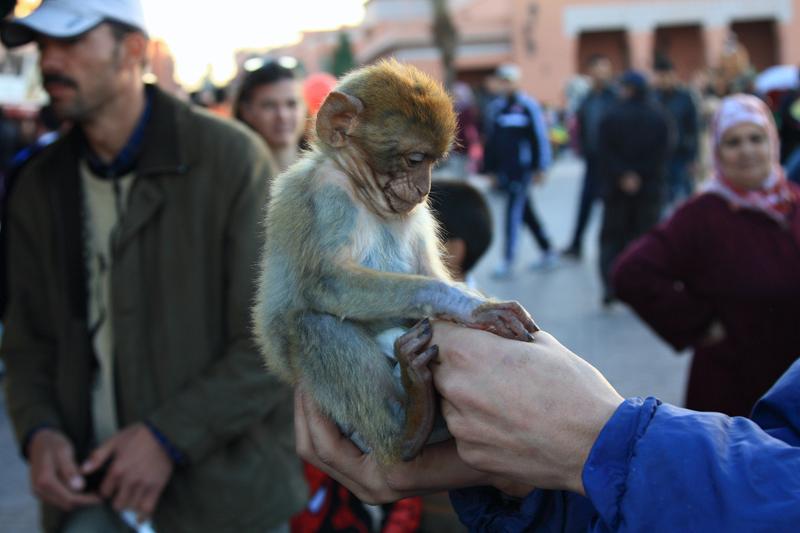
203 33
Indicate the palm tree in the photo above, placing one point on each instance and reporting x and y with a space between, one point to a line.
445 36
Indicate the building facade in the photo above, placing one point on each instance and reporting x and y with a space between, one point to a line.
552 39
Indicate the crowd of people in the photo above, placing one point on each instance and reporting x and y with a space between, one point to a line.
129 234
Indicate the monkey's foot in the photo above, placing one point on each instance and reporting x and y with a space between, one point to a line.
507 319
414 355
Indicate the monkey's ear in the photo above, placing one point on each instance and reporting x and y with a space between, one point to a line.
337 118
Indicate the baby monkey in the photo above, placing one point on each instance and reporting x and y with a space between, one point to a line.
351 252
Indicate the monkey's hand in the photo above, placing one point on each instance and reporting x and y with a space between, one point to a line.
413 354
507 319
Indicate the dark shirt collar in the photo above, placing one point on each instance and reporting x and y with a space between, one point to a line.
125 161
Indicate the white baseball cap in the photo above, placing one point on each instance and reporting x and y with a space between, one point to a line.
70 18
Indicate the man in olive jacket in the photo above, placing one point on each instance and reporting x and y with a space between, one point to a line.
144 218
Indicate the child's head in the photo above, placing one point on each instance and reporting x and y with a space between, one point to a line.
465 221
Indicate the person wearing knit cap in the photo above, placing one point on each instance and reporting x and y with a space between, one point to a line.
635 141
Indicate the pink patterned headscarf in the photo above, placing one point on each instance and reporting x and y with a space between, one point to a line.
775 198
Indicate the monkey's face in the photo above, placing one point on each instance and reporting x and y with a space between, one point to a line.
401 167
408 183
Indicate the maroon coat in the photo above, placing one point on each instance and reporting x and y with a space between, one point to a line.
710 262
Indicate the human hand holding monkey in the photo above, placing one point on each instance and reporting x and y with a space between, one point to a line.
438 467
352 252
534 418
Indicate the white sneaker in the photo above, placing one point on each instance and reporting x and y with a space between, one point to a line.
503 271
548 261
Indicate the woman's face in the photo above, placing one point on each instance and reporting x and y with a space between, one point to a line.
276 111
745 156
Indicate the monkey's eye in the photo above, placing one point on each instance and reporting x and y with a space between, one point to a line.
415 158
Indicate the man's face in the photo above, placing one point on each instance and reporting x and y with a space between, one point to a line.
80 75
664 80
276 111
506 87
601 72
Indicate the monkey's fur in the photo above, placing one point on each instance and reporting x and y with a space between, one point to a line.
351 250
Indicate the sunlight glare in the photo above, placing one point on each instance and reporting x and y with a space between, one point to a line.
204 36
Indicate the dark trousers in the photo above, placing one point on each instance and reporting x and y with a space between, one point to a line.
590 193
680 184
625 218
518 210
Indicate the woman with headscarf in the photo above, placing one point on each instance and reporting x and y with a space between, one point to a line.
722 275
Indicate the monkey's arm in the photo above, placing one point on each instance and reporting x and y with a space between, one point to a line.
353 292
333 282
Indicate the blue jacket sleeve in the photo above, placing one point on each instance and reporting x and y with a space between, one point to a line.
656 467
662 468
542 134
778 412
487 510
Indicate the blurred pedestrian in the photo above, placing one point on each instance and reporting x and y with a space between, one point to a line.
48 127
680 105
518 153
590 113
270 101
789 120
736 72
133 382
467 149
705 95
634 146
725 266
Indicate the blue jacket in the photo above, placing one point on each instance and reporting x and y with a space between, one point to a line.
517 139
656 467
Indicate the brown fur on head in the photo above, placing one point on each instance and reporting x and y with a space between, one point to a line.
395 118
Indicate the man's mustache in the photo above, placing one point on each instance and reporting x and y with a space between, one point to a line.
48 79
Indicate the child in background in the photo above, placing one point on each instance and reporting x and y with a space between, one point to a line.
465 223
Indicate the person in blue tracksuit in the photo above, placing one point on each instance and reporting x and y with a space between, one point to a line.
517 151
546 418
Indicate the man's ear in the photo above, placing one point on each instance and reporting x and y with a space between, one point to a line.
136 46
337 118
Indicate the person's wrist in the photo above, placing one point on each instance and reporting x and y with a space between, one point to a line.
170 450
35 436
601 414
